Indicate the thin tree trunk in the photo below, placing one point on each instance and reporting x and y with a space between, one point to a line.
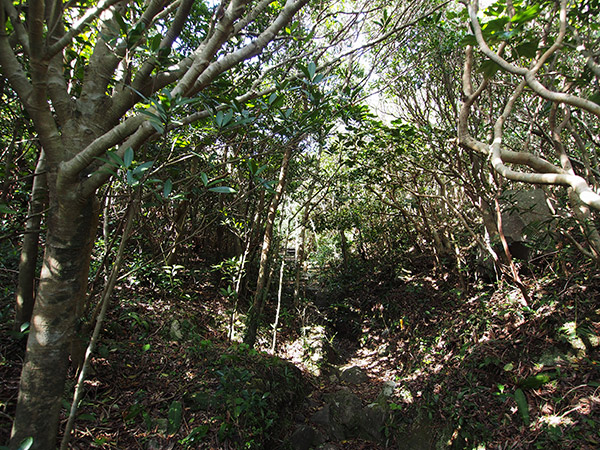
580 210
345 252
69 241
29 252
276 321
300 255
179 223
108 290
280 289
9 159
513 269
258 303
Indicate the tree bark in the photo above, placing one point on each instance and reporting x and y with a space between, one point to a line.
62 287
29 251
259 297
301 252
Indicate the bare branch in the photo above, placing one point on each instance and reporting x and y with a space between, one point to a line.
15 20
35 21
90 15
529 74
70 169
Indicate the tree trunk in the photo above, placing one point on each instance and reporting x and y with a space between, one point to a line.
345 251
179 228
258 303
29 251
71 227
301 251
9 160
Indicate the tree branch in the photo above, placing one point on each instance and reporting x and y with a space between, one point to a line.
529 74
69 170
15 20
135 141
252 49
91 14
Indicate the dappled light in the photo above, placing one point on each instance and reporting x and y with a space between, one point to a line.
299 225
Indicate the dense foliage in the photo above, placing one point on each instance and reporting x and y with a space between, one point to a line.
417 179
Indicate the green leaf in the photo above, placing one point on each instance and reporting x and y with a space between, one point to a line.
134 35
260 170
160 129
131 180
311 69
522 405
155 120
204 178
527 49
4 209
167 188
143 167
535 381
252 166
526 14
219 119
26 444
24 327
107 171
222 190
595 98
227 117
128 157
174 418
116 159
196 435
495 25
122 25
86 416
154 43
489 68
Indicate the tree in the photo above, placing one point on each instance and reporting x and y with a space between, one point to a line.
80 71
546 53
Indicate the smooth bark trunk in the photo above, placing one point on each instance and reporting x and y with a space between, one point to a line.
25 297
108 290
69 241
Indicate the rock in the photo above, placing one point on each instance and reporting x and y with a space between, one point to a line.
373 420
524 212
387 390
353 375
175 331
345 408
316 348
303 438
321 417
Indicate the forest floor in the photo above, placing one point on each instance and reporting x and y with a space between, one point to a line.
479 371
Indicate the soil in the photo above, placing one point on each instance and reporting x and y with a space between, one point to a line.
459 360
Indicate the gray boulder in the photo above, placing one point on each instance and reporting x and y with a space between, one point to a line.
303 438
353 375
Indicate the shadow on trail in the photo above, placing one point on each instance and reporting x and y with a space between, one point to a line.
474 371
